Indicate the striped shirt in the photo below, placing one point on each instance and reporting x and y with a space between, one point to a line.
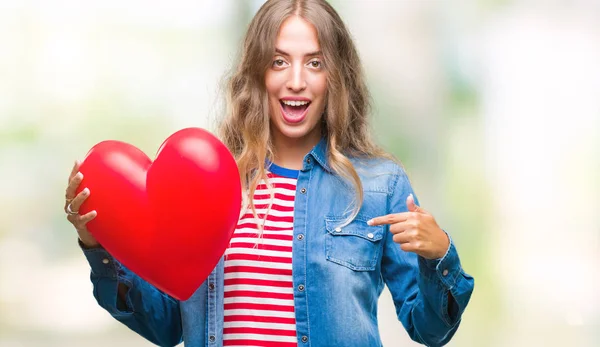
259 294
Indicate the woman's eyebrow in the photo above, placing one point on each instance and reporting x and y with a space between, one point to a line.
311 54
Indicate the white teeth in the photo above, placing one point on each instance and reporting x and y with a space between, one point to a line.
294 103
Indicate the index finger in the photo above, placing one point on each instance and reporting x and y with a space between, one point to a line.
75 170
389 219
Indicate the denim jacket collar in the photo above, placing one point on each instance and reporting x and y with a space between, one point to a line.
319 152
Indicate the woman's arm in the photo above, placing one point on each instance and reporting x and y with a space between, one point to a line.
133 301
430 294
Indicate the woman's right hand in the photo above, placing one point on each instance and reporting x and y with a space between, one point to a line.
72 205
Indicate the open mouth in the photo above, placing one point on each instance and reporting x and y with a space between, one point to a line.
294 111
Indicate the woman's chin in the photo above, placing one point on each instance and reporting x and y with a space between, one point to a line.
296 133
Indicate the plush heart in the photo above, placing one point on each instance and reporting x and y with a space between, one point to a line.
169 221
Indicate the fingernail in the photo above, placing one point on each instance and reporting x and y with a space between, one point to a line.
370 222
79 175
86 191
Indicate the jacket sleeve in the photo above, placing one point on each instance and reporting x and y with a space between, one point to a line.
430 295
147 311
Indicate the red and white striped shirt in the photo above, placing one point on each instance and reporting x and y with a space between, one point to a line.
259 294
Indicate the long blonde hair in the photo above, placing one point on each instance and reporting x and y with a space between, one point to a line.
245 128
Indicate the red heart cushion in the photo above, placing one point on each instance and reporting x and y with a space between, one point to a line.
169 221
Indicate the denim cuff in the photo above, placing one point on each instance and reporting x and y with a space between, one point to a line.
102 263
446 269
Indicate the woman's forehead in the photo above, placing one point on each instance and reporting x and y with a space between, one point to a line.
297 36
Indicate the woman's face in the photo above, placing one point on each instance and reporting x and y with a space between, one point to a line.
296 84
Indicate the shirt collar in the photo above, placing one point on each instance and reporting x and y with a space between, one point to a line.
319 152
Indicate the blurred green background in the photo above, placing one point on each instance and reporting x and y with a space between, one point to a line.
493 107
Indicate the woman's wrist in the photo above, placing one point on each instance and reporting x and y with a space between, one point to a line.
88 244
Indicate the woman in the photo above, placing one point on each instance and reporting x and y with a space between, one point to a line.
330 218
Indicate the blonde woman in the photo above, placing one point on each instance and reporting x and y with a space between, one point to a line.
329 218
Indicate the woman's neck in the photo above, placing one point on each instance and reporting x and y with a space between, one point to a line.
289 152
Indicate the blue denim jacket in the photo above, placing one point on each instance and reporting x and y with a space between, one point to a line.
338 273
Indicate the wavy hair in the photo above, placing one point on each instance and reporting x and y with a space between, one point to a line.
245 129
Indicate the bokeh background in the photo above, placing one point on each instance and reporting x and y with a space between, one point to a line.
492 105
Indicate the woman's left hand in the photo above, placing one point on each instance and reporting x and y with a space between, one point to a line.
416 231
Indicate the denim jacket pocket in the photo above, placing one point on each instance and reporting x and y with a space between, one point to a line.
356 245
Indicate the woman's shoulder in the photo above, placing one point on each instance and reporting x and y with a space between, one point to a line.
380 165
381 173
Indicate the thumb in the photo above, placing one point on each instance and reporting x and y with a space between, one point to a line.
410 203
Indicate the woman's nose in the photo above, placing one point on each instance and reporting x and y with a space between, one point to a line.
296 81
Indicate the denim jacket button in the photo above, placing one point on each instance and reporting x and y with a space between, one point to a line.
301 287
300 237
370 235
308 160
105 261
338 230
304 338
211 286
212 338
445 272
303 190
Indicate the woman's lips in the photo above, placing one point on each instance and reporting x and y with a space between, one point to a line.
293 118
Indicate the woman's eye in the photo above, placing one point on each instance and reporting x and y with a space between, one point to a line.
278 62
315 63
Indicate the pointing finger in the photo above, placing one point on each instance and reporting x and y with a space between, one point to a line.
388 219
